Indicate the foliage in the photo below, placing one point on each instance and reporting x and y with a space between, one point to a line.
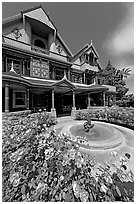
118 115
126 101
38 165
115 77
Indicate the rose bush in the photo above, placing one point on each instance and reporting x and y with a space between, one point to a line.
38 165
118 115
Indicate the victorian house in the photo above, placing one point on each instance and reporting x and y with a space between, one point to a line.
39 70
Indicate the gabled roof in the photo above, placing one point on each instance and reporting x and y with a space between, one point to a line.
64 81
79 53
39 14
93 48
11 19
83 50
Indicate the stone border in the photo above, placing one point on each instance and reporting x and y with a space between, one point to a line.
118 138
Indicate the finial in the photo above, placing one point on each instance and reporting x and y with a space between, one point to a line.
12 67
65 76
91 42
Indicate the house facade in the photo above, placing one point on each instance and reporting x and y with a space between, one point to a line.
39 70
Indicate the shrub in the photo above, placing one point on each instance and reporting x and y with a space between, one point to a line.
39 165
118 115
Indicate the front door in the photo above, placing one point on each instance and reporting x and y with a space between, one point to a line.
63 104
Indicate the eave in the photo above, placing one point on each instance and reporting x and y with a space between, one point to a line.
32 54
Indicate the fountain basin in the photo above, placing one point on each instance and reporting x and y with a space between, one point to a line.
101 137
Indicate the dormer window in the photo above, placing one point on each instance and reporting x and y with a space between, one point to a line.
91 58
87 58
39 43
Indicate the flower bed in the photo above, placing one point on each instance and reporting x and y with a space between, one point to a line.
39 165
116 115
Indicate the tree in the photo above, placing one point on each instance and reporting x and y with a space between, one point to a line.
116 77
125 72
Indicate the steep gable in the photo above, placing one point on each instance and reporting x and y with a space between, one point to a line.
92 49
39 15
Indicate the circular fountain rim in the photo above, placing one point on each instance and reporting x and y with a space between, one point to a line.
118 135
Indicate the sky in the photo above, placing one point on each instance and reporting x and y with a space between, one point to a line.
110 26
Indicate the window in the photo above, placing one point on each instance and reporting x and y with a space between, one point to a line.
39 43
91 58
103 81
3 64
77 78
59 74
16 65
87 58
99 81
19 99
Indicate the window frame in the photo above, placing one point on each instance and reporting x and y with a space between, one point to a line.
14 60
45 47
14 99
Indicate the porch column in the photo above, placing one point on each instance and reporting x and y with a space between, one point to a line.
6 64
69 74
31 66
114 99
104 98
73 99
88 101
27 99
53 73
32 100
23 68
53 110
74 106
84 77
7 98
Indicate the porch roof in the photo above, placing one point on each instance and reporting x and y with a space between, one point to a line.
91 88
61 85
65 83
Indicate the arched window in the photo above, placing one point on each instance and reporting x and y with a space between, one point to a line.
39 43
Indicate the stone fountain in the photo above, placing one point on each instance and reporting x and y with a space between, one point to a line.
88 126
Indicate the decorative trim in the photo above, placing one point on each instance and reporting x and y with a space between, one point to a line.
16 32
59 48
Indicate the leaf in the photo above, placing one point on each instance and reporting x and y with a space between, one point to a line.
81 180
71 172
63 195
68 197
90 197
23 189
118 191
54 192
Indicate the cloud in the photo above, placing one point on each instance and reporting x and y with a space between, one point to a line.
121 40
119 44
